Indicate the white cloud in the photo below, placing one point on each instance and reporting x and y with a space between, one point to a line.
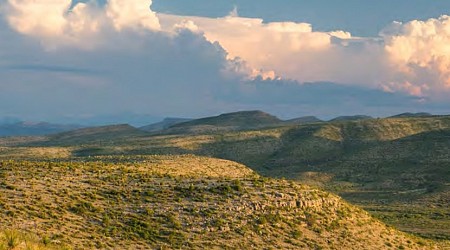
287 49
189 63
86 25
413 58
132 13
419 56
38 17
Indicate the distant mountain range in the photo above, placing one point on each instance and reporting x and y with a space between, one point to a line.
30 128
235 121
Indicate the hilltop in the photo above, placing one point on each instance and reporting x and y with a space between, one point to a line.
225 122
351 118
181 201
420 114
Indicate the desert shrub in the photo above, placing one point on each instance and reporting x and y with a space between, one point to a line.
11 238
310 219
82 208
296 234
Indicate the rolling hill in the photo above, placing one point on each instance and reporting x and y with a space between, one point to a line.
396 168
180 201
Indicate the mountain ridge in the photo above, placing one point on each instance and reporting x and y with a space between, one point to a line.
234 121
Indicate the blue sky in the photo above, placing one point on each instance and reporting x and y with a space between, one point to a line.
137 61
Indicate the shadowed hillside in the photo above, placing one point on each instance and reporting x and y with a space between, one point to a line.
165 124
303 120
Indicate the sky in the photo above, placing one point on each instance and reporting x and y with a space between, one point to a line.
138 61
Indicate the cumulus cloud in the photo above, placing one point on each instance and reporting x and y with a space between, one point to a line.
132 13
419 56
287 49
86 25
95 61
38 17
411 58
264 47
123 52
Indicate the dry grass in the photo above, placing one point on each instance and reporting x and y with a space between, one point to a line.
180 202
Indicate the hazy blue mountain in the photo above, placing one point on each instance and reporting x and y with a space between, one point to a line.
33 128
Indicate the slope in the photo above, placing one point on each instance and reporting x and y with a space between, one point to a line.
395 163
197 202
164 124
302 120
397 168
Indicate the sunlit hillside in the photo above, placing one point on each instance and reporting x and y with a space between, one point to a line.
177 202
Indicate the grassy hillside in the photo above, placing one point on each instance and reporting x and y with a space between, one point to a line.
19 240
181 201
397 168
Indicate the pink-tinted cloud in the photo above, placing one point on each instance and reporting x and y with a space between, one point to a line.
410 58
419 55
85 25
